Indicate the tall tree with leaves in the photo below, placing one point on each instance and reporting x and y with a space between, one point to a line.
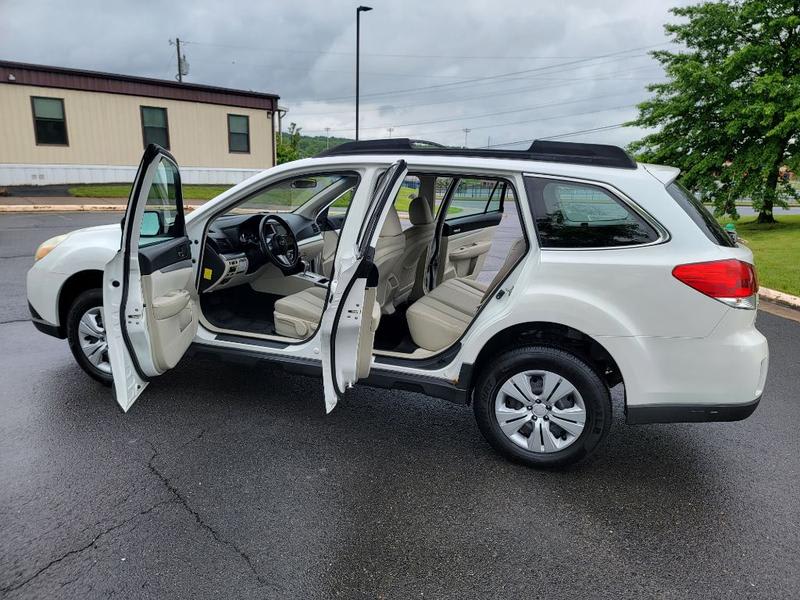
288 147
729 114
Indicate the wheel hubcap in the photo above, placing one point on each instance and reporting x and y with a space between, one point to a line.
92 336
540 411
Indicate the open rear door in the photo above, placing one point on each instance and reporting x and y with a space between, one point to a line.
352 315
149 299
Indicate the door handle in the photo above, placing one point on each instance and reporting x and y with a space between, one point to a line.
182 252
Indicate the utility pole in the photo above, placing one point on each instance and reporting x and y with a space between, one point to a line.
359 10
178 47
466 136
183 66
327 137
390 130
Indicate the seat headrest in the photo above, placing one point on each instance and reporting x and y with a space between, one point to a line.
419 211
392 226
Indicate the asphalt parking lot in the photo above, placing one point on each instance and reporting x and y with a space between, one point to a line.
226 481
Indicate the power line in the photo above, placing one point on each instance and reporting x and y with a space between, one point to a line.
569 82
492 114
525 122
619 56
560 135
385 55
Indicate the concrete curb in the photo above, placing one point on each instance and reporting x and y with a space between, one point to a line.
779 297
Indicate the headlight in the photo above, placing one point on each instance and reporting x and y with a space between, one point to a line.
45 247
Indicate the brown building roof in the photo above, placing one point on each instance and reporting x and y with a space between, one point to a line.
112 83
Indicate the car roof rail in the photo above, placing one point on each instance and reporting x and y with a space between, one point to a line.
600 155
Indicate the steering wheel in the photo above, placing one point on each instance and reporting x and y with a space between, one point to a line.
279 243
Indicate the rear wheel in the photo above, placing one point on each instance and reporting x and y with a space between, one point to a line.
542 406
86 335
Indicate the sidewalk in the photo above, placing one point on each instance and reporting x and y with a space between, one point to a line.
68 204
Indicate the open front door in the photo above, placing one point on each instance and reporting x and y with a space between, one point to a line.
353 313
149 300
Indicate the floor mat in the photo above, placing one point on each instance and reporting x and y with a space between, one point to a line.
240 309
393 334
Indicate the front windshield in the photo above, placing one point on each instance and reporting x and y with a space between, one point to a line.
292 194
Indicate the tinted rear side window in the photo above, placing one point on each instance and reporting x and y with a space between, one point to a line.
700 215
578 215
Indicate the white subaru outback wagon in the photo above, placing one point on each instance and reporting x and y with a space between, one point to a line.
527 283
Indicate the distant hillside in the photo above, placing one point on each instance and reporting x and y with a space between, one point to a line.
310 145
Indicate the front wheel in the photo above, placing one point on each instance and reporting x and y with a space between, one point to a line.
542 406
86 334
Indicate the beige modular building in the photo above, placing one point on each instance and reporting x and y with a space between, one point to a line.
62 125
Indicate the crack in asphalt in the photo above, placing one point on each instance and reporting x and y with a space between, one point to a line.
15 321
83 548
198 519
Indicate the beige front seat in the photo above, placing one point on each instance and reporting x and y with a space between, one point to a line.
437 320
298 315
418 238
388 253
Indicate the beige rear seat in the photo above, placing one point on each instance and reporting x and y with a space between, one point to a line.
438 319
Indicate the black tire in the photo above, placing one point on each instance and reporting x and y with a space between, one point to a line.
587 382
85 301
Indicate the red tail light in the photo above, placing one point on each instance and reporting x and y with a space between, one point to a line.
726 280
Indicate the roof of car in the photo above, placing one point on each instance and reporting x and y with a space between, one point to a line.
596 155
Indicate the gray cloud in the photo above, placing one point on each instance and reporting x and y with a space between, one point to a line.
304 51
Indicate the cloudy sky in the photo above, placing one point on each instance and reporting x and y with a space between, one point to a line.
507 70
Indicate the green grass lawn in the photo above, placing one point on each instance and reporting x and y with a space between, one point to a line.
123 190
207 192
777 251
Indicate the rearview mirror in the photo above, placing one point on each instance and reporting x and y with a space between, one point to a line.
152 223
304 184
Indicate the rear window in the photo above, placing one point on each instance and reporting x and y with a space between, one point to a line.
577 215
700 215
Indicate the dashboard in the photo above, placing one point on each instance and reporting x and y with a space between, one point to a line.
233 248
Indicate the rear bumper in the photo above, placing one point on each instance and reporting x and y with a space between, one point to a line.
640 415
716 378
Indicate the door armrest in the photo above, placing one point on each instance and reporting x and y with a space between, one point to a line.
471 251
170 304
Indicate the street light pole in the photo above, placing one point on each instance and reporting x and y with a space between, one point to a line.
359 10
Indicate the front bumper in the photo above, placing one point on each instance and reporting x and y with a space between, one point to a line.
45 326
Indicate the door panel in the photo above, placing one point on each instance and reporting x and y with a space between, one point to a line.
465 245
171 307
149 297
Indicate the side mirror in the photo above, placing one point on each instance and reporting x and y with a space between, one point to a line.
152 223
304 184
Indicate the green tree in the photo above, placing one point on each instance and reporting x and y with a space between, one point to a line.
288 146
729 114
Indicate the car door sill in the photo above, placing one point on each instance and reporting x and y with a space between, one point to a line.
378 378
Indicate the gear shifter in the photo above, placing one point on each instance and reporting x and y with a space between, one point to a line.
306 265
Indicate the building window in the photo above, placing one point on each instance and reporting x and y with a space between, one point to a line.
49 122
238 133
155 129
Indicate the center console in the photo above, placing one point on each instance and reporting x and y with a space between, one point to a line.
312 278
